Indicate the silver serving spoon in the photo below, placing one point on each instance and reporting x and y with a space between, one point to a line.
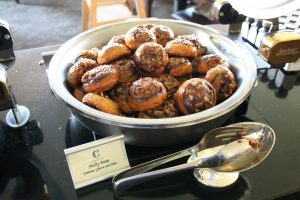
245 146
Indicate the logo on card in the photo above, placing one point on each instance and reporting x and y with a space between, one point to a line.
96 153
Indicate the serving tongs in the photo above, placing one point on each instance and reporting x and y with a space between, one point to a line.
240 152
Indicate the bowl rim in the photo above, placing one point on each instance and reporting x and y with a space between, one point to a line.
220 109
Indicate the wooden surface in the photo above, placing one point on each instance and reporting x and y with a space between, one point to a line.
90 11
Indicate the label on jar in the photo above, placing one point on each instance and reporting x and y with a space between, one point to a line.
96 161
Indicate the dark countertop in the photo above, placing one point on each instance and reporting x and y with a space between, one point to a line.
45 174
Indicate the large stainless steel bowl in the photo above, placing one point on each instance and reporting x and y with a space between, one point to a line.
153 132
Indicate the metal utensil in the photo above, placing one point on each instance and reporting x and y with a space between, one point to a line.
245 146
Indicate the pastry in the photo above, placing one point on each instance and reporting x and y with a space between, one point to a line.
119 95
102 103
182 48
146 93
163 34
99 79
179 66
205 63
201 50
77 70
171 84
151 59
127 70
222 79
166 110
195 95
137 36
78 93
111 52
120 39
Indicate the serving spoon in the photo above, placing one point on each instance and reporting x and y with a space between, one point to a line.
245 145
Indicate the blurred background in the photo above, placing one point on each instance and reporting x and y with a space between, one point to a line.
48 22
37 23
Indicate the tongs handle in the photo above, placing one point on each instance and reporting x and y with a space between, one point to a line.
135 175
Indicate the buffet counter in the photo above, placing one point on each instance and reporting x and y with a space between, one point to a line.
43 173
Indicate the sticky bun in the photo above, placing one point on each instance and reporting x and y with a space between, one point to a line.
137 36
146 93
151 59
111 52
102 103
90 54
78 93
127 71
201 50
146 73
181 48
171 84
179 66
99 79
166 110
205 63
222 79
195 95
163 34
118 39
119 95
77 71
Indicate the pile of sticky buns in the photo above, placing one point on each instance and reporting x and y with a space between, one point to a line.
151 73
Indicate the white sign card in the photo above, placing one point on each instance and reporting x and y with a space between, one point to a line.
96 161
